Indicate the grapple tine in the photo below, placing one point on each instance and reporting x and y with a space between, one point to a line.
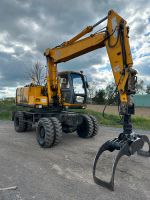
141 152
104 147
123 151
107 146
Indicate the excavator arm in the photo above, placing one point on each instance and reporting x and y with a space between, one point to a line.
115 38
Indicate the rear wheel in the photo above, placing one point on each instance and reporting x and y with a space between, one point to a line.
95 125
19 123
45 133
85 129
57 129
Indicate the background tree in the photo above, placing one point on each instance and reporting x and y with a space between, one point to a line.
37 73
148 89
111 93
99 97
139 86
92 89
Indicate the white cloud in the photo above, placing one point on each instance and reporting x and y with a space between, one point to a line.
31 27
5 49
7 92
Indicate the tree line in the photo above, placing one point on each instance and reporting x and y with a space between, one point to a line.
110 93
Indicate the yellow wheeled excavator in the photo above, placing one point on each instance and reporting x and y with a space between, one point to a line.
49 103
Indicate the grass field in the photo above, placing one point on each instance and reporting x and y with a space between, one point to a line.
6 108
115 120
139 121
139 111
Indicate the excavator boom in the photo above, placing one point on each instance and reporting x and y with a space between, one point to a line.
116 40
67 52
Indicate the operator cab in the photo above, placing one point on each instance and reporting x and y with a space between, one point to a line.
73 87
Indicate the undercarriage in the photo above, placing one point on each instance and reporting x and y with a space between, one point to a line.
51 125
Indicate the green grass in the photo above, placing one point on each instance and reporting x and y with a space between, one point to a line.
6 109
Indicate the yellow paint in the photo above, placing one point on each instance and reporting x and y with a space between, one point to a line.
74 48
115 53
31 96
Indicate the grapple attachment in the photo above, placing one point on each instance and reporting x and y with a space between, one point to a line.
141 152
127 145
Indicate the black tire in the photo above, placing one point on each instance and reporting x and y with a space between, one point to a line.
19 123
57 129
45 132
95 125
85 130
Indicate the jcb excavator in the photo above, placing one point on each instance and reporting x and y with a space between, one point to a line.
49 103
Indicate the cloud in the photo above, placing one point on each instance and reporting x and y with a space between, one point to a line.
28 27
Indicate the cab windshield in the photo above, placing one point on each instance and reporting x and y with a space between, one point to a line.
77 84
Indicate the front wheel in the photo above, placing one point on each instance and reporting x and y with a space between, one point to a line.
45 132
85 129
57 129
95 126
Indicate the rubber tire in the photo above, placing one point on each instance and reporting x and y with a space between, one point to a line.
57 129
95 125
85 130
19 124
48 140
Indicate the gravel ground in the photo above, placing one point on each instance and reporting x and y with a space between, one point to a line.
64 172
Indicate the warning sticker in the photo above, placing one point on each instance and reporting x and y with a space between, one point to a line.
43 100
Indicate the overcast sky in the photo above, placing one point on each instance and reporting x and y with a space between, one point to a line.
28 27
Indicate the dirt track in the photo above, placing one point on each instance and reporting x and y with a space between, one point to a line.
65 172
141 112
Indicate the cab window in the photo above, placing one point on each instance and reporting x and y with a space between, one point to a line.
64 82
77 84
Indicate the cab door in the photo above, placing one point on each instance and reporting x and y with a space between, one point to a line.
73 87
65 85
79 92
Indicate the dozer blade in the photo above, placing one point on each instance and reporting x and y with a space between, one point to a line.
141 152
126 146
